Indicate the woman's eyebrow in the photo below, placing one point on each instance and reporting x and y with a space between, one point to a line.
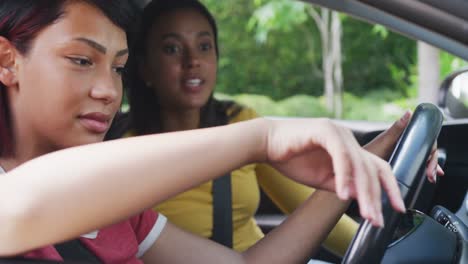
95 45
204 34
177 36
170 35
122 53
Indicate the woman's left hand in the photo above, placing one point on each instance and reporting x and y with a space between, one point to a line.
385 142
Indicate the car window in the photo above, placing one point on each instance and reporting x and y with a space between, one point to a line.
293 59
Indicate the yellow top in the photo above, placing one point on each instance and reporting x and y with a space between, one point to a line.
193 210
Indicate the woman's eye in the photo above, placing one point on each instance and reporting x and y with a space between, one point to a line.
206 46
171 49
119 70
81 61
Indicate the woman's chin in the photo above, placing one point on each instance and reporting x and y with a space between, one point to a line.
197 103
85 140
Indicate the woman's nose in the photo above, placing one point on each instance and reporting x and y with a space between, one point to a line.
106 89
191 60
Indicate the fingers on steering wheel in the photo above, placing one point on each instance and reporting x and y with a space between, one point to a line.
390 185
440 171
399 125
342 164
350 149
362 173
433 169
373 189
365 192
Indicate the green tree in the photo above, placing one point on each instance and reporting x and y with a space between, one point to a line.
287 64
283 14
375 58
279 68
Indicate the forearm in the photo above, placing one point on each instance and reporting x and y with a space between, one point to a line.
96 185
292 242
301 233
285 193
379 148
288 195
341 236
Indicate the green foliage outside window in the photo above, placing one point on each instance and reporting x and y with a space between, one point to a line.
278 72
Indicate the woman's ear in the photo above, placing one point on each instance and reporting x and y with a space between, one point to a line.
7 63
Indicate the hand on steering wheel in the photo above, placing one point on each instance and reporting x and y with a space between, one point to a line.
408 164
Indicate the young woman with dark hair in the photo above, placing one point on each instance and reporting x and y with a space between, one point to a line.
21 21
61 65
147 110
175 74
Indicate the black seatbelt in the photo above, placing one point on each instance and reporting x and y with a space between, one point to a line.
21 260
222 211
74 250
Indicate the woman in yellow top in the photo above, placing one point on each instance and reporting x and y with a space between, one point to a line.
177 54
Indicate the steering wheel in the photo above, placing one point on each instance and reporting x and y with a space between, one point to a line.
408 163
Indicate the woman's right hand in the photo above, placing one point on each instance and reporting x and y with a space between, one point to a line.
322 154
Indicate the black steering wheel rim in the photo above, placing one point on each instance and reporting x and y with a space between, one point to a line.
408 163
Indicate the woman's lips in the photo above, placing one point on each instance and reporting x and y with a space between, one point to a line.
97 123
193 85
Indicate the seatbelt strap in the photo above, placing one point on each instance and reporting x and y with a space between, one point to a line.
72 250
76 251
222 210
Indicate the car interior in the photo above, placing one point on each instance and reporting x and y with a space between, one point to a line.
435 229
442 24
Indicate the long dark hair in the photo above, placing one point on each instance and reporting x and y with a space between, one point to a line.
22 20
144 104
